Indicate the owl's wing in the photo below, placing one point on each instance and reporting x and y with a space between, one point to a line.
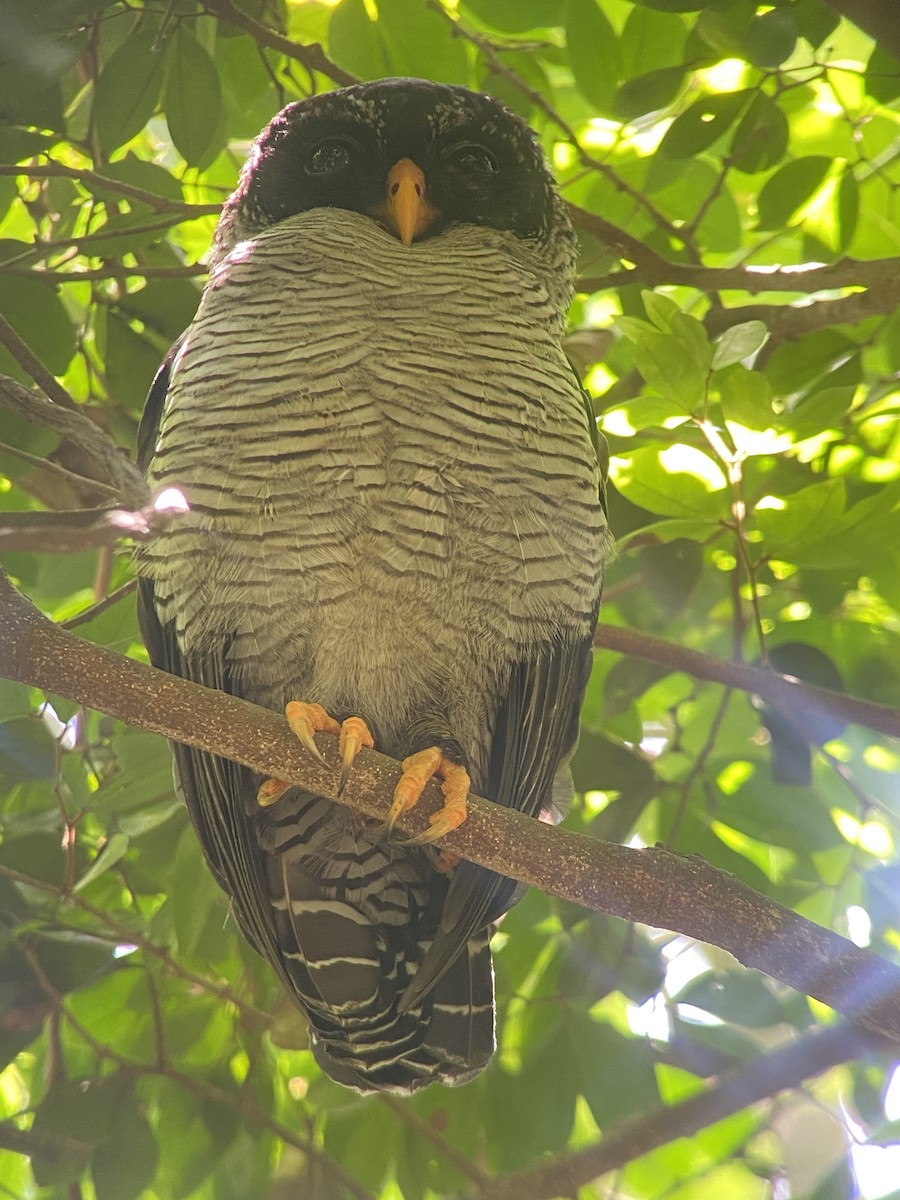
213 788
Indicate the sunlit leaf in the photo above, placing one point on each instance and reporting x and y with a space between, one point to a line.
593 52
193 97
790 188
739 342
128 89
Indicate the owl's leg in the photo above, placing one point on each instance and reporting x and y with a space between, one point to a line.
417 770
306 720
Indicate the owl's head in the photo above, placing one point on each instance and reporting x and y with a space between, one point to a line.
416 157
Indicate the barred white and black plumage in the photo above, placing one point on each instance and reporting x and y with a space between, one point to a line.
394 512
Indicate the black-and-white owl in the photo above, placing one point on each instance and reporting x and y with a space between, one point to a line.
395 529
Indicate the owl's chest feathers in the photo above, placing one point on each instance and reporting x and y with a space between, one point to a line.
392 454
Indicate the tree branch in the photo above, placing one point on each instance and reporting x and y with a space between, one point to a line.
74 426
51 276
312 56
878 278
54 170
803 701
652 268
650 885
783 1068
79 529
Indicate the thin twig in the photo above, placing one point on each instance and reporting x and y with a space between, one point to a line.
54 170
311 55
72 425
32 365
95 610
781 691
61 475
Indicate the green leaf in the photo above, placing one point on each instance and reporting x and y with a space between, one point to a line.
651 41
723 28
792 186
779 814
675 529
643 412
601 1057
674 6
701 124
594 54
114 850
648 93
27 751
742 998
660 309
131 362
883 76
407 39
761 138
193 99
805 518
847 208
746 397
127 90
692 335
815 21
124 1165
822 410
665 367
148 176
355 42
600 764
16 144
40 318
771 38
739 342
633 327
679 481
69 1110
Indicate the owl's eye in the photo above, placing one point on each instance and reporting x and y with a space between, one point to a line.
472 159
329 157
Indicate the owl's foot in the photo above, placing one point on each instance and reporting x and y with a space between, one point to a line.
306 720
417 770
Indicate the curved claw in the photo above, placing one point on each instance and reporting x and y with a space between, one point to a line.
270 791
355 734
417 770
306 720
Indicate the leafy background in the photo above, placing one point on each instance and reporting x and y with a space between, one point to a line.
752 422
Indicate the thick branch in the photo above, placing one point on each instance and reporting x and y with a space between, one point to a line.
784 1068
650 885
802 700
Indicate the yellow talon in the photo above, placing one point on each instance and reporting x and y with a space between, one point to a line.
417 770
355 734
306 720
